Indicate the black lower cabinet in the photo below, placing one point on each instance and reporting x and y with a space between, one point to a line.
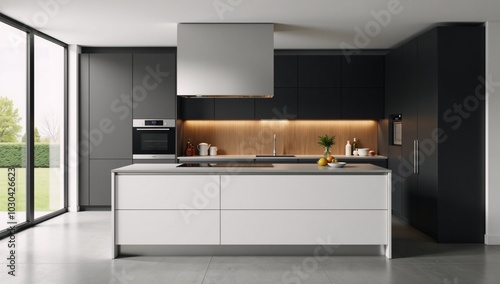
441 191
319 103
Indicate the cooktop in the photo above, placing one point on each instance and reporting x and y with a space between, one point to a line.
225 165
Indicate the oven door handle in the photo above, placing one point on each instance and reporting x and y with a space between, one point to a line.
157 129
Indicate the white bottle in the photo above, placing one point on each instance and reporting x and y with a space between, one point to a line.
348 151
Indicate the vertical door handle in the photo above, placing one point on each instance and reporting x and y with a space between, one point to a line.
415 157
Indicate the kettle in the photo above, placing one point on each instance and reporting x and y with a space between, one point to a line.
203 149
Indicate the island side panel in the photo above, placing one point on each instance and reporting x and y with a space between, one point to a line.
113 217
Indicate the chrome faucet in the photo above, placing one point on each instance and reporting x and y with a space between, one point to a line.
274 147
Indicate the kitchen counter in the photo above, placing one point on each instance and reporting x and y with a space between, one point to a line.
187 159
276 169
380 161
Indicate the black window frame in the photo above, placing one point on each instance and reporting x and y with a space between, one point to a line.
30 127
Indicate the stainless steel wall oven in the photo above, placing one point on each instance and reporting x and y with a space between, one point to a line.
153 139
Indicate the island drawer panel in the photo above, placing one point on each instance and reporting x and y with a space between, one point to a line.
167 227
304 192
167 192
304 227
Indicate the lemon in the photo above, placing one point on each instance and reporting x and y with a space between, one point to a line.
322 162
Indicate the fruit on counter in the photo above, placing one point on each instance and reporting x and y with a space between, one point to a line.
322 162
331 159
371 153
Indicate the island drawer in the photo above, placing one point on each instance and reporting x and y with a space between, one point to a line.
304 192
167 227
167 192
304 227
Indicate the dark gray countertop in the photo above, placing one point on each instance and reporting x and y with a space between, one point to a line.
187 159
277 169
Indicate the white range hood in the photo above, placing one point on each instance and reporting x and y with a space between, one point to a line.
225 60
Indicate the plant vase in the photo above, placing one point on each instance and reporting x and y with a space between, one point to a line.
327 152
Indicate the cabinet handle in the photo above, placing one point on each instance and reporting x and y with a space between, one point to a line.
415 157
154 129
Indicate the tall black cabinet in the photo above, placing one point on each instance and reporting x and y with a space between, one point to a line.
434 82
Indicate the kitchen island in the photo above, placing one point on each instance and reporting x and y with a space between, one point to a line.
215 206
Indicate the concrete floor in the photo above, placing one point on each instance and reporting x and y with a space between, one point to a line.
75 248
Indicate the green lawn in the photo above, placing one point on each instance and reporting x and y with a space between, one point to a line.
42 183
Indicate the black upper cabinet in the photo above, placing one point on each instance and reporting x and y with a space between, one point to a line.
319 103
362 103
319 71
282 106
197 108
352 90
363 71
234 108
285 71
393 86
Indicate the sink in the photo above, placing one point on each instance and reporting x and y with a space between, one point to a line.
273 156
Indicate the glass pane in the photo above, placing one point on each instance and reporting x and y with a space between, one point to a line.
13 98
49 127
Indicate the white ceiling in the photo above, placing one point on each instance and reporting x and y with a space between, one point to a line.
312 24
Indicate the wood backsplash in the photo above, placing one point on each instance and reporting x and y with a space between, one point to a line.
252 137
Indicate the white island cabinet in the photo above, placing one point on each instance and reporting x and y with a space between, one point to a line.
286 204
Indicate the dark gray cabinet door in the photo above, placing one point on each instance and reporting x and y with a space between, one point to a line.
427 209
393 87
197 108
461 179
319 103
154 91
110 132
285 71
363 71
319 71
362 103
234 108
409 111
282 106
100 180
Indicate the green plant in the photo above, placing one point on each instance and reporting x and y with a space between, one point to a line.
326 141
14 155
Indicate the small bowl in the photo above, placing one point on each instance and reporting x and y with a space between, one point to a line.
337 165
363 151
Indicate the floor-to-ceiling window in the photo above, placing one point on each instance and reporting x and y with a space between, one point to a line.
13 98
32 126
49 126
